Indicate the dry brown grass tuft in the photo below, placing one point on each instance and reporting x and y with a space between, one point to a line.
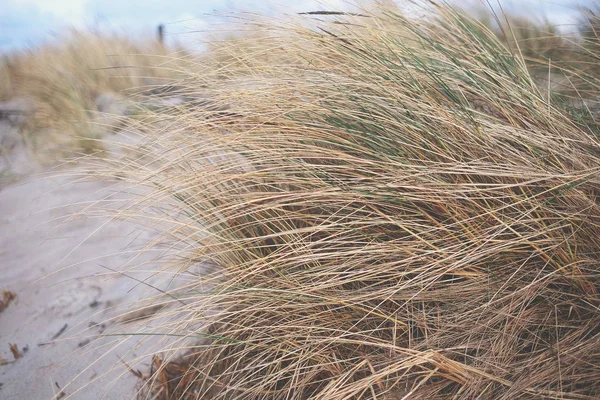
396 211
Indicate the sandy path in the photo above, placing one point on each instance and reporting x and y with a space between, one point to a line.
36 240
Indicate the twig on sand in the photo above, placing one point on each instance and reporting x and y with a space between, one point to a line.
56 336
15 351
60 393
60 332
135 372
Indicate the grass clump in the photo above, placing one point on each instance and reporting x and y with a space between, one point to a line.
65 82
399 212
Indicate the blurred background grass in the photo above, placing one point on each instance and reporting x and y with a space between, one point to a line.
63 79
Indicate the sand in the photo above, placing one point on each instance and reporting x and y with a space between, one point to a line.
56 267
61 266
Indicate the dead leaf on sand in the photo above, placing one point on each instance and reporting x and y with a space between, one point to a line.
60 332
7 297
139 314
15 351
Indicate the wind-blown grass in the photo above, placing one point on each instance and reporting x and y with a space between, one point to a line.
396 211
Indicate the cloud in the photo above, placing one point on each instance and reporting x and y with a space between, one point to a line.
67 10
23 24
151 12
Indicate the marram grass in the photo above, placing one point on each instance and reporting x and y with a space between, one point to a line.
393 211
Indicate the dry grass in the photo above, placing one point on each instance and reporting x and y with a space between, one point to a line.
64 79
396 211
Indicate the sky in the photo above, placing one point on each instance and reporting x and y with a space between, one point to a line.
25 23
